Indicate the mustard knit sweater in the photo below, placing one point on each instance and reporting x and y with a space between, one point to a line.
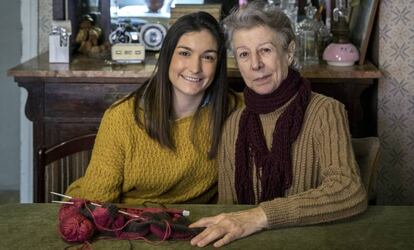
127 166
326 184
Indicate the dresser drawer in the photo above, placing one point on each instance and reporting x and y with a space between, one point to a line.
82 100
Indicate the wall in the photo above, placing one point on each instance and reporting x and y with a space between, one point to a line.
45 24
395 97
396 102
10 51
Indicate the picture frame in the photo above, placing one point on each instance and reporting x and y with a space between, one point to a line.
360 25
182 9
70 10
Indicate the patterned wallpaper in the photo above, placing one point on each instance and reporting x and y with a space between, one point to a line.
396 102
45 24
395 96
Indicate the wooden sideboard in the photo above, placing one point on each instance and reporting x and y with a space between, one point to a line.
68 100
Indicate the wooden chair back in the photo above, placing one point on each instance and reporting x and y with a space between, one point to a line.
367 151
62 164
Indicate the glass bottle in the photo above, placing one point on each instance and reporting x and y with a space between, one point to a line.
308 35
290 8
324 38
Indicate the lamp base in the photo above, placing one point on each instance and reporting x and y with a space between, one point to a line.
341 64
341 54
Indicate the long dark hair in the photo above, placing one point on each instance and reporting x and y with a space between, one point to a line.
155 97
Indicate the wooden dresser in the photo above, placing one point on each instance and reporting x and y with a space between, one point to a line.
68 100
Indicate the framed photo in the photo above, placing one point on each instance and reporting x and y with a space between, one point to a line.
182 9
360 25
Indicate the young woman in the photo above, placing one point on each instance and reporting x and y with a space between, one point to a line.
289 150
159 143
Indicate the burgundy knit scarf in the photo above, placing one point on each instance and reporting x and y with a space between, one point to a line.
274 167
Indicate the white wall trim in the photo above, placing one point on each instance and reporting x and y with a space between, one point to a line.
29 21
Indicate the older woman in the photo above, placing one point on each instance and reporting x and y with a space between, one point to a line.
289 149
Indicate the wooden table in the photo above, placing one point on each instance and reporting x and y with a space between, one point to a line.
34 226
68 100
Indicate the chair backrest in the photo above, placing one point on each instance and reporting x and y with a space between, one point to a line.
61 164
367 152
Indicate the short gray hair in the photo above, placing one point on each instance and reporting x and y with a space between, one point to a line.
258 13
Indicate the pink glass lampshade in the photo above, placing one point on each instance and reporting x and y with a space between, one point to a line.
341 54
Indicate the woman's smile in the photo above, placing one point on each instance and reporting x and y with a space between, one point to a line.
193 79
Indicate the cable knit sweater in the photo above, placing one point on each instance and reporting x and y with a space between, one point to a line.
127 166
326 184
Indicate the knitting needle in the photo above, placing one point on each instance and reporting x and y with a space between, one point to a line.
67 196
61 195
183 212
63 202
95 204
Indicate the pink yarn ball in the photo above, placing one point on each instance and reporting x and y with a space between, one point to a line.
76 228
102 218
67 211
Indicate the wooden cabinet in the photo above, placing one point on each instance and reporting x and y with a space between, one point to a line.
68 100
63 110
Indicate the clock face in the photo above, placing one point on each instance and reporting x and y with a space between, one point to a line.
152 35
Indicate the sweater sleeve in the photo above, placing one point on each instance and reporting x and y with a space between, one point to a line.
104 176
339 192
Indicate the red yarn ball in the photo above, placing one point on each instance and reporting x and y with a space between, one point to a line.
76 228
67 211
102 218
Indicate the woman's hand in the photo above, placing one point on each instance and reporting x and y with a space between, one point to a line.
229 226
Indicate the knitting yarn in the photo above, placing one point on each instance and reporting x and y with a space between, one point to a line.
181 231
81 220
67 211
133 230
76 228
102 218
161 229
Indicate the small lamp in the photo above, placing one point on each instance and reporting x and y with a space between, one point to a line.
341 52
